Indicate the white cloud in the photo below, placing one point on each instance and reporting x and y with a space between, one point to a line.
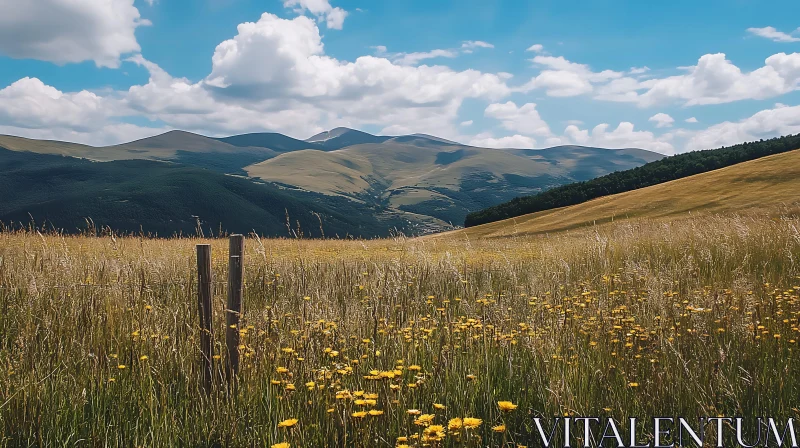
322 9
467 123
485 140
563 78
662 120
525 119
275 75
467 47
624 136
65 31
560 63
691 120
714 80
29 108
559 84
276 57
29 103
773 34
472 44
638 70
416 58
536 48
765 124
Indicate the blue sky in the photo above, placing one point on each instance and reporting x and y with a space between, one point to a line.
487 73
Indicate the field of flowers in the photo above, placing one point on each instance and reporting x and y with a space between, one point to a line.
391 343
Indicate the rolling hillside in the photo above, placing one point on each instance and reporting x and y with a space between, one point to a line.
660 171
164 198
762 185
440 179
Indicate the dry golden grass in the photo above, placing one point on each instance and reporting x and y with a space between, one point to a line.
764 185
350 343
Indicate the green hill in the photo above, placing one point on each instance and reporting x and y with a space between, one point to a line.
165 198
664 170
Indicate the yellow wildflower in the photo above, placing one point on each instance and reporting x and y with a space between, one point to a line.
506 406
288 423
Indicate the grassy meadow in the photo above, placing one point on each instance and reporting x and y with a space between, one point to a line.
400 341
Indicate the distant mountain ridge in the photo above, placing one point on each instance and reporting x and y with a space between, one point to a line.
414 181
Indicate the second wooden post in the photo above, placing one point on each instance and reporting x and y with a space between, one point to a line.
234 309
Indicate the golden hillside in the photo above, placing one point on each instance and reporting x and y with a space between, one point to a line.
762 184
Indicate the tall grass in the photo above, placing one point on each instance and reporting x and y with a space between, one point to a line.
99 335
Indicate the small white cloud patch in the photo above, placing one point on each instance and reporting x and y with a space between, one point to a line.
662 120
774 35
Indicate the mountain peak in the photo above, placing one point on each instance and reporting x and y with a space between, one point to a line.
336 132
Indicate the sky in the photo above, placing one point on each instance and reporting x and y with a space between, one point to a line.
664 76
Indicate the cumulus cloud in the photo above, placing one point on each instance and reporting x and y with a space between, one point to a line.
762 125
714 80
65 31
623 136
662 120
29 103
560 77
774 35
30 108
485 140
322 9
272 75
525 119
691 120
276 57
467 123
275 75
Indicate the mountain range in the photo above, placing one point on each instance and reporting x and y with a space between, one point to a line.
342 181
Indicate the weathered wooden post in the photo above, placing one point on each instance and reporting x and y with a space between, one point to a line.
232 313
204 309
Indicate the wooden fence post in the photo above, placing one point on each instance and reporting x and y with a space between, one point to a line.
232 313
204 309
